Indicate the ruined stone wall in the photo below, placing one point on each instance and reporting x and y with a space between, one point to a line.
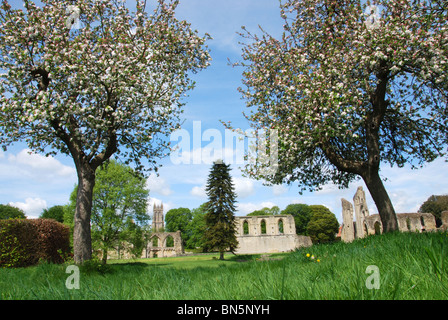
444 218
268 234
161 249
366 224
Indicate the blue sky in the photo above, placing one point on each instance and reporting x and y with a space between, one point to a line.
33 182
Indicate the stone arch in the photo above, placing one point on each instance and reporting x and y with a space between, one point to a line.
264 235
378 227
263 226
408 224
169 241
429 221
165 244
245 227
155 241
280 225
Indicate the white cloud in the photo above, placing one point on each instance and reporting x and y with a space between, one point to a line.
279 189
166 205
246 208
158 185
40 167
32 207
33 176
244 187
198 192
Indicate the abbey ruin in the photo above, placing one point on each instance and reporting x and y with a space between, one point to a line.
268 234
162 244
366 224
255 234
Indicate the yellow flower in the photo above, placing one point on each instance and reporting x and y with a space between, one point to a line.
307 255
318 260
312 257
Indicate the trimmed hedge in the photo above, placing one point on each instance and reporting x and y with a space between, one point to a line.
26 242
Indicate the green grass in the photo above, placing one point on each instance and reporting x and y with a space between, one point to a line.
411 266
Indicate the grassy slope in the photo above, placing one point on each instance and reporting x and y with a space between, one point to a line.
411 266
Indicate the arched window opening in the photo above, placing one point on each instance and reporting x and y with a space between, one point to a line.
155 241
422 221
169 242
263 226
408 224
280 226
377 227
245 227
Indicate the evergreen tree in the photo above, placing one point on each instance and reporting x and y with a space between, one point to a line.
220 219
323 224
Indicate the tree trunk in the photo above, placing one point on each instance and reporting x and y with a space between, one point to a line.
221 255
382 201
104 259
82 241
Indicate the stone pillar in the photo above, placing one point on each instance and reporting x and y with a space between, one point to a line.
444 218
430 221
348 233
361 211
178 245
253 227
290 226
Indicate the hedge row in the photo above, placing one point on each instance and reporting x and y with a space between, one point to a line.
26 242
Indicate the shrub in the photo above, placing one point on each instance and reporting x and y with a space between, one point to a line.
53 238
323 225
26 242
18 247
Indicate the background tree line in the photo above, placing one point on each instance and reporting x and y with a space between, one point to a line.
316 221
119 214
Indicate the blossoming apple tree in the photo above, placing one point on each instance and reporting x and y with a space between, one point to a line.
349 85
112 85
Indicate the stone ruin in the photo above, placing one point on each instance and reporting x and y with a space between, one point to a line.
162 244
268 234
366 224
255 234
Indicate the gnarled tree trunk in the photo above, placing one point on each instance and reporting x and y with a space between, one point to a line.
82 241
382 201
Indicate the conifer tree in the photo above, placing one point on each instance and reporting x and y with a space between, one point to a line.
220 219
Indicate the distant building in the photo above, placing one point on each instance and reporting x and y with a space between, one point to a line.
268 234
158 224
161 243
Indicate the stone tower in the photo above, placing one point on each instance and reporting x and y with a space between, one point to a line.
157 220
348 232
361 212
